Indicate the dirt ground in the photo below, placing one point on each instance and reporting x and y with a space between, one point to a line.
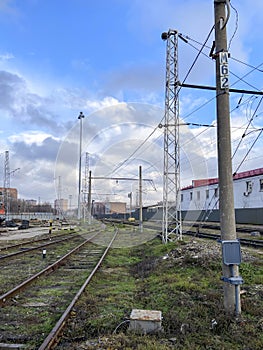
7 235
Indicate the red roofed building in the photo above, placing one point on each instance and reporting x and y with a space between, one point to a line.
203 196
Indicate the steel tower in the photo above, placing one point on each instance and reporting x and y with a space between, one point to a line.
171 226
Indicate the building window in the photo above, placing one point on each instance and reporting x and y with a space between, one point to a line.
191 196
182 197
216 192
248 188
198 195
261 184
207 194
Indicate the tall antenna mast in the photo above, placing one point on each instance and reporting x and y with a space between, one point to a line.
7 184
59 196
171 227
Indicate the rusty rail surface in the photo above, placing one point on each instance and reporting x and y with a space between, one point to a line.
34 248
53 338
33 241
4 297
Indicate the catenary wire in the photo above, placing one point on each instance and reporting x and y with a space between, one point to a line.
187 74
209 47
239 79
250 121
200 51
244 158
236 27
197 56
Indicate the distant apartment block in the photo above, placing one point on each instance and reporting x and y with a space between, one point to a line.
61 205
12 192
99 208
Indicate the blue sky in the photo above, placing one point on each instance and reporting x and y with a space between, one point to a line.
106 58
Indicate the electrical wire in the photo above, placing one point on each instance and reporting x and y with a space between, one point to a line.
247 64
261 130
239 78
188 38
207 213
188 73
196 58
250 121
243 160
244 81
236 27
125 161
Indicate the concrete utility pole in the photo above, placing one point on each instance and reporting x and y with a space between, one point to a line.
226 203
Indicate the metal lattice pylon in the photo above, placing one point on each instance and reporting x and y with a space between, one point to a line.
171 226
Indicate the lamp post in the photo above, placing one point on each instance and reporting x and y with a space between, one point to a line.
80 117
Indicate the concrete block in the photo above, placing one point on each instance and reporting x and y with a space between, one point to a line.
145 321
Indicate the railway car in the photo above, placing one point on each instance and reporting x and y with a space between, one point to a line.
2 209
2 212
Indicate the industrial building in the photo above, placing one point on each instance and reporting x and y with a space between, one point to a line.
200 201
101 208
61 205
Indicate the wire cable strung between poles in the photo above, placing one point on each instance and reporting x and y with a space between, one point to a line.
188 38
244 158
190 69
200 51
187 74
250 121
196 58
133 153
209 57
261 130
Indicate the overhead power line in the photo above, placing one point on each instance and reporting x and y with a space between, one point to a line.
250 121
206 87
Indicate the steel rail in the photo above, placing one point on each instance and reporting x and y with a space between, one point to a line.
34 248
4 297
24 243
53 337
244 241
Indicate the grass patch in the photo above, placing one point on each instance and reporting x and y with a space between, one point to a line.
185 286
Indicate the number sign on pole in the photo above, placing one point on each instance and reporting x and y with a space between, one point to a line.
223 59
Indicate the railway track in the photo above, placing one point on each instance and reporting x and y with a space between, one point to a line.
23 244
204 231
42 303
243 241
21 265
22 249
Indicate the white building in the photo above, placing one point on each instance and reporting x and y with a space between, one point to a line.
201 199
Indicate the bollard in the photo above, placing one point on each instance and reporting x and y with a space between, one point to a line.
44 253
50 227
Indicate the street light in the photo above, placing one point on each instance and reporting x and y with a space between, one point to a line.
80 117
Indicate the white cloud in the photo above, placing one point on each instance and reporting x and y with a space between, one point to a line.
6 57
31 137
95 105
